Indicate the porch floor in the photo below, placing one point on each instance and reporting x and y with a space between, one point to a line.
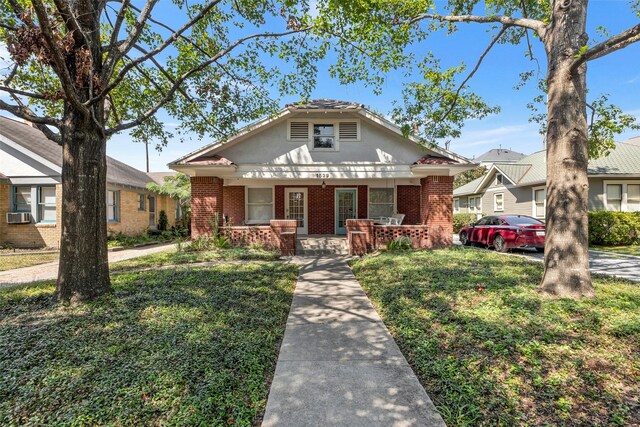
322 244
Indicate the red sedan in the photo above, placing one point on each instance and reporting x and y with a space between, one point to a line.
505 232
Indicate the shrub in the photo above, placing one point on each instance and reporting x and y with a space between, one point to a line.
163 221
614 228
402 243
462 220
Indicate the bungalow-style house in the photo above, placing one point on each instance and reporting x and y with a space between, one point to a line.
519 188
320 164
31 191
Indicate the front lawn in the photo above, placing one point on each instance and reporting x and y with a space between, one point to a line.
490 350
626 250
9 262
193 346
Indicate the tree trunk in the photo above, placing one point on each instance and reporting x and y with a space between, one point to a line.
566 258
84 269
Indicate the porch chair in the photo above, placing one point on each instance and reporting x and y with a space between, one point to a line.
392 220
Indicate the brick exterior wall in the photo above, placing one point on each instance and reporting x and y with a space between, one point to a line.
132 221
206 201
279 201
409 203
233 204
437 209
363 201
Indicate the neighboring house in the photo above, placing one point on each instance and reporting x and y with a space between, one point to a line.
31 191
519 188
321 163
498 155
634 141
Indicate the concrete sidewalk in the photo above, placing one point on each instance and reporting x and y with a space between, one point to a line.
338 365
49 271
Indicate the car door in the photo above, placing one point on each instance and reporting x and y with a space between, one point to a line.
479 230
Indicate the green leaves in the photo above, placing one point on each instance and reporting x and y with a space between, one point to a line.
606 122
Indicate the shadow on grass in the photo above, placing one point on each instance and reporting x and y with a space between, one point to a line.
490 350
183 347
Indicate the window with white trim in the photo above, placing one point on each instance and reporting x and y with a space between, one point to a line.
539 202
475 204
456 205
21 199
47 204
259 204
622 196
324 136
113 205
381 202
498 202
499 178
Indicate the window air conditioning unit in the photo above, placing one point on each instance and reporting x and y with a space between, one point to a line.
18 217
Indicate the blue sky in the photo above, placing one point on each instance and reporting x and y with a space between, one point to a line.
617 75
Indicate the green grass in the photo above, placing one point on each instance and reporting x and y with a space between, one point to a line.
173 257
627 250
120 240
490 350
9 262
180 347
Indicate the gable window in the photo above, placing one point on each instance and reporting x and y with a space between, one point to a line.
475 204
142 202
456 205
499 178
113 206
498 202
622 196
381 202
21 199
259 204
47 204
539 202
323 136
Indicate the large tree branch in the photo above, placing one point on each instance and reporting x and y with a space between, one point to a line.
178 81
168 42
618 42
532 24
117 51
41 123
21 92
60 64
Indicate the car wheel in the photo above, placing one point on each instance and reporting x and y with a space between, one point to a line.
499 244
464 238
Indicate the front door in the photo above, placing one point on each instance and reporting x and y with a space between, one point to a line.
345 209
295 207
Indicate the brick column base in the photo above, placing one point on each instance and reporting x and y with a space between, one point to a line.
206 202
360 236
284 235
436 210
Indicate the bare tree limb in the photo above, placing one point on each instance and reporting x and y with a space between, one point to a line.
150 112
622 40
116 26
532 24
28 115
129 45
22 92
61 68
462 85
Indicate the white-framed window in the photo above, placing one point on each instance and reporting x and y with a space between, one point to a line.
47 204
113 205
259 204
475 204
456 205
499 178
381 202
21 199
38 200
323 135
498 202
539 202
622 196
142 202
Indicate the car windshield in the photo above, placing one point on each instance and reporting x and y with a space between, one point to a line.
522 220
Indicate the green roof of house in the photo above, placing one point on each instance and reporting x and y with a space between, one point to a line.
468 188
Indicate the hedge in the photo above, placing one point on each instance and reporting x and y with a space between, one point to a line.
613 228
462 220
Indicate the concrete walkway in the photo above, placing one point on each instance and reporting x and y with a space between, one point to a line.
49 271
338 365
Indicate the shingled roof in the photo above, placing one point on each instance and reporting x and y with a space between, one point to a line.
324 104
430 159
34 140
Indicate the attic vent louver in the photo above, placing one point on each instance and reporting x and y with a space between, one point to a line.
299 130
348 130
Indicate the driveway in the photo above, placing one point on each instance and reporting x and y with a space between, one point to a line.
49 271
618 265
